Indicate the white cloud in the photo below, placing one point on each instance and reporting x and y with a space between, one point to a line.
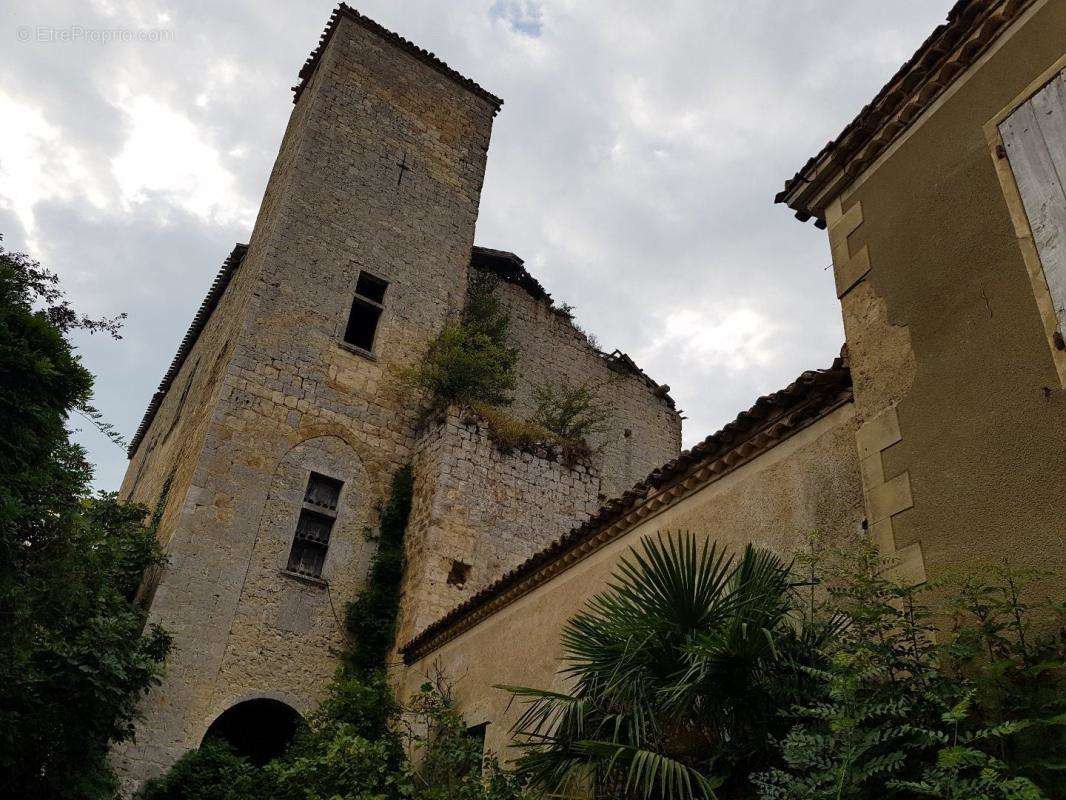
709 337
633 165
37 164
167 157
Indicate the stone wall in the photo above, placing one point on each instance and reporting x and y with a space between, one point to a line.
290 398
270 392
643 431
807 482
485 509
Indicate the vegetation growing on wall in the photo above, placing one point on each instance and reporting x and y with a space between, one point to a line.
470 361
570 411
694 677
74 655
371 617
509 433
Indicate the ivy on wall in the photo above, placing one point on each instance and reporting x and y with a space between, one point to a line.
371 617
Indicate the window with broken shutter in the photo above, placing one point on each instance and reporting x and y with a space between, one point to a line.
1034 137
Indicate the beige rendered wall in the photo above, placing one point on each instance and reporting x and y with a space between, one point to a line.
808 482
960 405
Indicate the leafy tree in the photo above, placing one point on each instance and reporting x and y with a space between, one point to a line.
470 361
677 671
903 716
74 657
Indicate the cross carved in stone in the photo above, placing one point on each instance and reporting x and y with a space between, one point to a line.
403 168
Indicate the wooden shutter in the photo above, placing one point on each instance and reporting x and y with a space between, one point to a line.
1035 139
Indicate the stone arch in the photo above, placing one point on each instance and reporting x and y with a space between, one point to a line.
287 628
330 455
259 727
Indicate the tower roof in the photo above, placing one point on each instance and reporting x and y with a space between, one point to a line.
345 11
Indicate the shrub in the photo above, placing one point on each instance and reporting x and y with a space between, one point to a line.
570 412
470 360
899 715
212 772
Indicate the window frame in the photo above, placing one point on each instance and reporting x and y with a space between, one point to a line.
1020 219
310 508
360 298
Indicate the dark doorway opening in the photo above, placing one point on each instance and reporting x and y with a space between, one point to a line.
258 729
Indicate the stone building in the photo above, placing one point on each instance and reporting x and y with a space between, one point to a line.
270 447
942 433
938 433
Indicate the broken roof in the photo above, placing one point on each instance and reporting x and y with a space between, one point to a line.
772 418
511 269
345 11
971 26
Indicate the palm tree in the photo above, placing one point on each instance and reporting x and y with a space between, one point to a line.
678 669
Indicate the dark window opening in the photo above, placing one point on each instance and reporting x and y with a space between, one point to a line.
257 729
458 574
313 528
362 324
367 306
477 733
371 287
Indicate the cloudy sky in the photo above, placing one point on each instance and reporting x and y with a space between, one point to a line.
633 166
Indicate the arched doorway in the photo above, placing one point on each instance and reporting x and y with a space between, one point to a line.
258 729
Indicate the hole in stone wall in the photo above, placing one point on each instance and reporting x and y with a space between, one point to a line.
458 574
258 729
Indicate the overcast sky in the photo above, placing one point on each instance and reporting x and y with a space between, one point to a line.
633 166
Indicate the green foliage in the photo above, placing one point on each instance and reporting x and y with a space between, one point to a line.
677 671
371 617
451 764
901 716
354 748
569 411
350 748
74 656
213 772
470 360
509 433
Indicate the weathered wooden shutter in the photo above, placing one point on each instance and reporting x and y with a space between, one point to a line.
1035 138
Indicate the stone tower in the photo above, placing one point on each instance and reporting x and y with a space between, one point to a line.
270 446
